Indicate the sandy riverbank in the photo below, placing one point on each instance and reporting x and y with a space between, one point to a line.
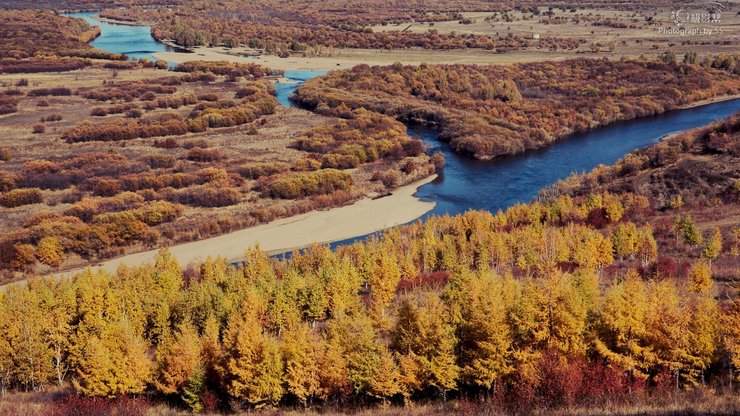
348 58
363 217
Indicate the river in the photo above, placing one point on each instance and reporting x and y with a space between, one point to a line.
135 41
466 183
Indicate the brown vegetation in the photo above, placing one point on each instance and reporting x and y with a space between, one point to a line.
42 41
307 27
216 164
492 110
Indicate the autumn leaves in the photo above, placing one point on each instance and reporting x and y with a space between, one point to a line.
523 310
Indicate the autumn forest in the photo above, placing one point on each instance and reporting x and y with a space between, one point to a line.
251 218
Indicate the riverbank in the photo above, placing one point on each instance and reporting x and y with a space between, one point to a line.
348 58
119 22
361 218
708 101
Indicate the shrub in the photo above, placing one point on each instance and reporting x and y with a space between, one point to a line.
56 92
8 104
391 179
51 117
297 185
168 143
106 187
209 196
4 155
204 155
39 128
159 161
19 197
134 113
8 181
258 169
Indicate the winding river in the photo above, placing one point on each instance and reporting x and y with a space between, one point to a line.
466 183
135 41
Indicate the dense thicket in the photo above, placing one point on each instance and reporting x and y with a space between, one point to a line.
250 70
491 110
246 110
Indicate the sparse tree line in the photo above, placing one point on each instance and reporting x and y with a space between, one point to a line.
525 307
489 110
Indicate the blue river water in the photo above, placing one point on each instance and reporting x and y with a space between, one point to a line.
469 184
135 41
466 183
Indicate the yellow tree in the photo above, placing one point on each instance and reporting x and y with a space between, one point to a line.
486 354
114 363
370 366
730 334
384 276
57 304
384 382
333 369
178 357
704 335
211 350
700 277
251 368
625 240
6 354
713 246
32 356
621 325
666 323
301 349
647 247
422 334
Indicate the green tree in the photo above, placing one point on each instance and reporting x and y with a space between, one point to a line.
686 228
